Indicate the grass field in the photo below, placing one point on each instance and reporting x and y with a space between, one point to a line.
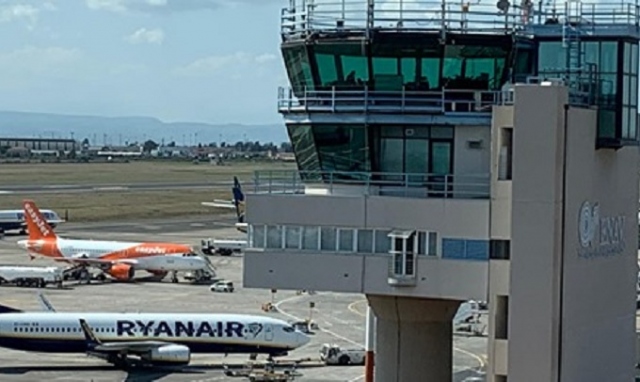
129 204
122 206
126 173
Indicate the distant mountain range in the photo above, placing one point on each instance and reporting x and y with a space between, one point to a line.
122 130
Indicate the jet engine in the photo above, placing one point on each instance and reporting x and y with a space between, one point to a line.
168 355
122 272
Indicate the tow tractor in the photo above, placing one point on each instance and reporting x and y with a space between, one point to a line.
332 354
199 276
78 273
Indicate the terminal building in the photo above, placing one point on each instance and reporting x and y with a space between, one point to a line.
454 151
40 145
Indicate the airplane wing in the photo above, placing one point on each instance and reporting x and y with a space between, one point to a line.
94 345
45 304
132 347
220 204
84 260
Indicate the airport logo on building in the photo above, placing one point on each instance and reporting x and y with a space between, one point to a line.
600 236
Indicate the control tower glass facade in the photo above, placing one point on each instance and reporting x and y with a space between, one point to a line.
382 100
612 65
398 63
416 66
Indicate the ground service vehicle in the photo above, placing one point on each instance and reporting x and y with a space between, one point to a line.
200 276
31 276
334 355
222 286
222 247
269 374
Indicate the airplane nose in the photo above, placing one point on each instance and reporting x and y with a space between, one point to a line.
302 339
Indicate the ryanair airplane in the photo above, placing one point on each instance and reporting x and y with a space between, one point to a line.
156 339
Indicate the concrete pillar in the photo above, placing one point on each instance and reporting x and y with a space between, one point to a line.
413 338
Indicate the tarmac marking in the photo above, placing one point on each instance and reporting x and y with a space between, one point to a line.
6 192
54 186
291 316
352 307
113 188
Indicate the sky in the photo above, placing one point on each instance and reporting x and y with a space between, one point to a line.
214 61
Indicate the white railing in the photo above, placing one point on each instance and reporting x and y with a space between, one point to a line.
591 13
304 17
403 101
468 186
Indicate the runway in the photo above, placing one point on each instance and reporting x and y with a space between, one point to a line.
339 316
275 186
153 226
75 188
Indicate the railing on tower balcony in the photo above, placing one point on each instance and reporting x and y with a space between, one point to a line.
305 17
590 13
422 185
404 101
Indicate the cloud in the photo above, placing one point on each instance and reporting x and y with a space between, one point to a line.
146 36
28 12
123 5
167 6
31 61
236 64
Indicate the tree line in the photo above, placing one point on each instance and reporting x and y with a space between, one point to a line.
243 146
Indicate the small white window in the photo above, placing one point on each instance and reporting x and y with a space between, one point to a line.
365 241
292 237
328 239
310 238
345 240
427 243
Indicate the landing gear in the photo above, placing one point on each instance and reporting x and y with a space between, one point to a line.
79 273
119 360
85 276
174 277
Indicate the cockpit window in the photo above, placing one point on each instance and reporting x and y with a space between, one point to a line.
288 329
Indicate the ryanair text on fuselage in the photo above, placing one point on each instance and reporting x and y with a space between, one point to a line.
226 329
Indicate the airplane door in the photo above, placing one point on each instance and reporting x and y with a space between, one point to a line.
268 332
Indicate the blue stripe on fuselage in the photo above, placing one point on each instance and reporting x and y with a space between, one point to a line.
11 226
58 345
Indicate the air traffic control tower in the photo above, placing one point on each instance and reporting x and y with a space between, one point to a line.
449 151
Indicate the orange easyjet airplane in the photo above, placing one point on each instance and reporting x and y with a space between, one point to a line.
119 259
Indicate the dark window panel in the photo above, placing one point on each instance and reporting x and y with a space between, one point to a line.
342 148
301 137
